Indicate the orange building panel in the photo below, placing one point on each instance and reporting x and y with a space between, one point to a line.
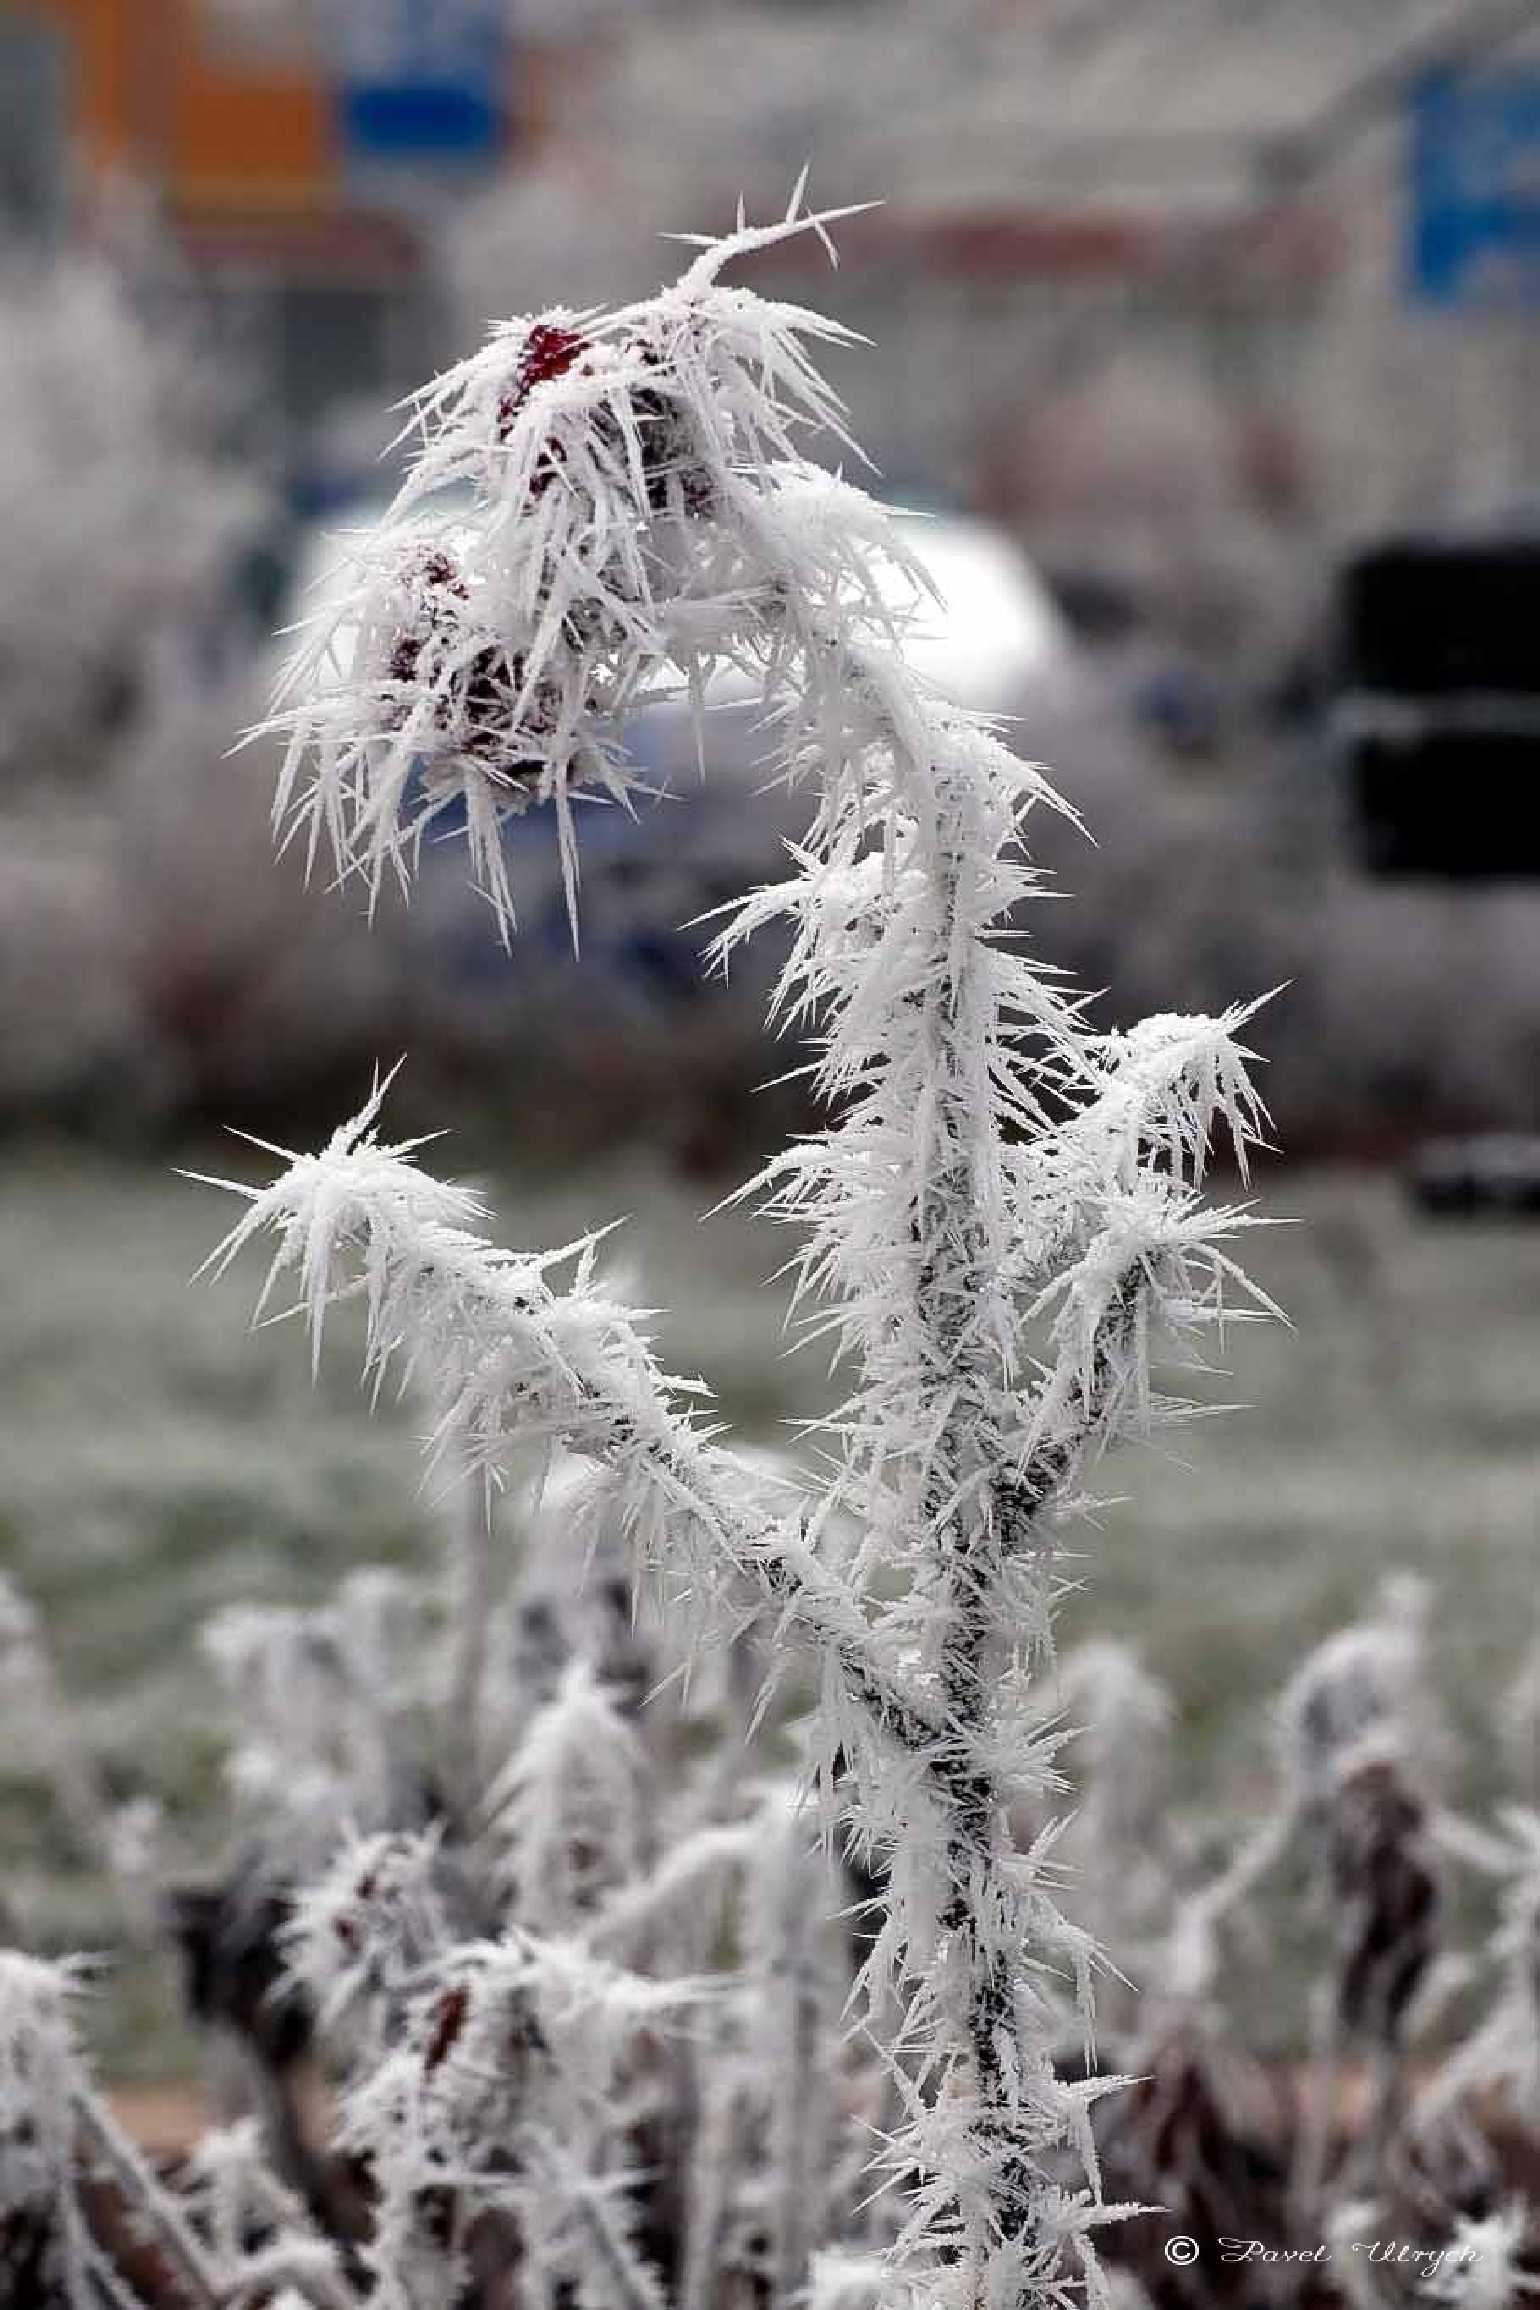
252 137
153 95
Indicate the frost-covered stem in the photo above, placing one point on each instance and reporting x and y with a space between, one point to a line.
798 2150
631 2283
287 2270
299 2243
1008 1522
1312 2141
931 1085
1193 1951
792 2003
104 2139
978 1515
303 2174
1386 2112
474 1596
967 1546
713 2159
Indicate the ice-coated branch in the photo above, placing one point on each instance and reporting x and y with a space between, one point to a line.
514 1360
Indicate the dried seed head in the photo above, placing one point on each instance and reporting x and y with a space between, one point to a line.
448 2021
455 687
549 352
1387 1898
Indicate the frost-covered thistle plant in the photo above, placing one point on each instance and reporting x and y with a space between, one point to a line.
77 2198
1000 1217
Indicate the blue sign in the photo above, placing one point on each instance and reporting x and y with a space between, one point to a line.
421 82
1475 188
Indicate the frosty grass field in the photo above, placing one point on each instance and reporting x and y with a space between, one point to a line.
156 1461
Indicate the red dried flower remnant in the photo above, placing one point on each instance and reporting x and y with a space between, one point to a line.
448 2021
549 352
474 681
668 450
434 574
1387 1898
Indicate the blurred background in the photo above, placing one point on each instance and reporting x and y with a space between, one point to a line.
1206 333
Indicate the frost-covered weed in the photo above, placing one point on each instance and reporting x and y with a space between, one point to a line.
320 1703
81 2208
1000 1220
704 2131
1502 2053
118 498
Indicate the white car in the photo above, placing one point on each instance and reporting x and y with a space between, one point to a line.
636 1005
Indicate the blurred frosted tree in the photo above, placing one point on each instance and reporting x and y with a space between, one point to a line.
123 512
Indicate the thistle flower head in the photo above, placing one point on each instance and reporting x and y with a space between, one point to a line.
480 662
